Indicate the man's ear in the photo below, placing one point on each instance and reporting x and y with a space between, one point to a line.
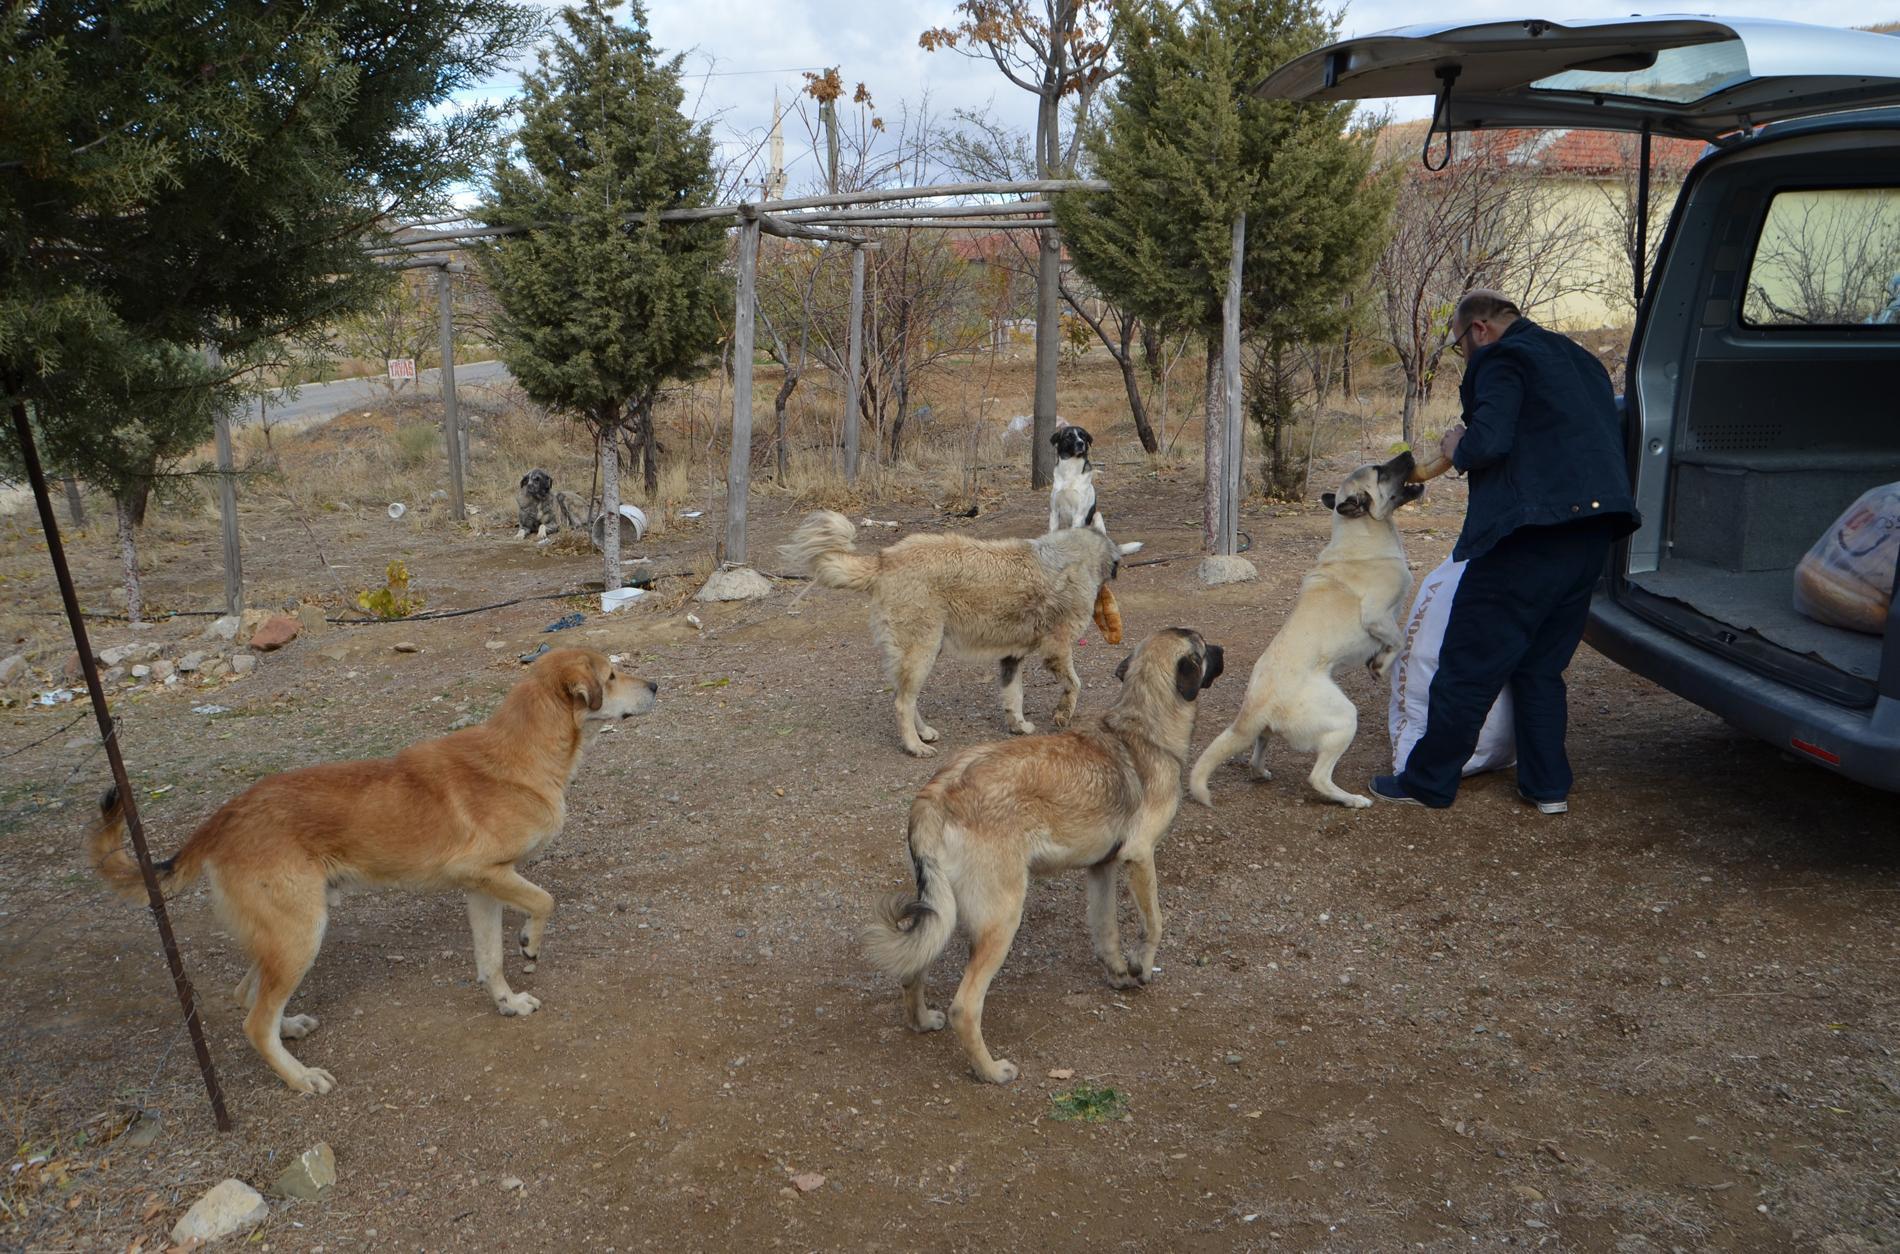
1326 499
1121 669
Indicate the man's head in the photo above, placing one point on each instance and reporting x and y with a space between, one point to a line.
1480 319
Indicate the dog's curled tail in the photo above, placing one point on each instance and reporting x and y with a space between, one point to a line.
823 545
907 932
105 846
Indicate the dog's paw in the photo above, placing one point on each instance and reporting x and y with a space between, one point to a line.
296 1027
529 949
312 1080
1022 727
928 735
1143 969
518 1004
1061 717
930 1021
1200 793
1002 1071
1353 801
921 750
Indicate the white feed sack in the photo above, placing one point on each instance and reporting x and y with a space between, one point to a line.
1412 679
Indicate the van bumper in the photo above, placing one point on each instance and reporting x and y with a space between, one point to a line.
1863 745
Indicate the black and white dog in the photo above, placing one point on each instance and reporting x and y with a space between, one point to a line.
1072 494
540 509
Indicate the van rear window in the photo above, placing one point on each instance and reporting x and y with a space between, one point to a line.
1827 257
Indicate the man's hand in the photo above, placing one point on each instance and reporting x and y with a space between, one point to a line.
1448 443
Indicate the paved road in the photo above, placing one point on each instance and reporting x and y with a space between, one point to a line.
316 402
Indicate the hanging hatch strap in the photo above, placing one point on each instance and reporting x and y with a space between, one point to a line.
1441 120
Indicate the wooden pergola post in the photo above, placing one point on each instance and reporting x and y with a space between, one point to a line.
854 359
227 501
739 469
1227 539
451 416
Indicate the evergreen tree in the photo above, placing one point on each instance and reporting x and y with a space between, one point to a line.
1187 147
177 174
601 304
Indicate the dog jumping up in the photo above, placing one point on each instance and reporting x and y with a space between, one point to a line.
542 510
1093 801
996 600
458 812
1347 614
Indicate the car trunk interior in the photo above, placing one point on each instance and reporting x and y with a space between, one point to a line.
1769 454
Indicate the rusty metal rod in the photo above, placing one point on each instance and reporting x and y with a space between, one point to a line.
29 453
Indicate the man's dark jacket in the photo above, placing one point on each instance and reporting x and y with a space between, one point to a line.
1543 443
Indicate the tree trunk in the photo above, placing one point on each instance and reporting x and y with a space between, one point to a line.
779 403
649 451
1408 423
610 497
1213 444
903 405
1345 361
1133 385
75 504
129 559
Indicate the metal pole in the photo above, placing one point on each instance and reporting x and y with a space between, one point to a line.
1640 262
739 469
854 363
227 502
57 551
1233 433
451 417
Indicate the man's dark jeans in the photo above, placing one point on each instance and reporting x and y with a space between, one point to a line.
1517 619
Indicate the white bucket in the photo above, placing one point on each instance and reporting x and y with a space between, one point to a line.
619 598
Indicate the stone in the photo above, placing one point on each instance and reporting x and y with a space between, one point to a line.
244 663
225 628
164 670
190 662
275 632
12 668
144 1130
251 621
112 674
312 619
1227 569
1528 1193
735 583
229 1208
217 668
310 1177
141 671
408 646
72 669
512 1184
639 572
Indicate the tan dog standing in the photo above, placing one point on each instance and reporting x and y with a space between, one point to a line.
995 814
458 812
996 600
1347 614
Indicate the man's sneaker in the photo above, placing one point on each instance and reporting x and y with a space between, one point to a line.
1386 788
1545 807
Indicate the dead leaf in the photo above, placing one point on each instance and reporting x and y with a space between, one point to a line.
153 1206
1062 1073
806 1181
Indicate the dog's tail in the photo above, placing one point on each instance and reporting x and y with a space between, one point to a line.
907 932
823 546
105 846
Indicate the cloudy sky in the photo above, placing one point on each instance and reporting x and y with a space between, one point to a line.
738 51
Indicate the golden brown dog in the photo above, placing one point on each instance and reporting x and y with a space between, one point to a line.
997 600
998 813
458 812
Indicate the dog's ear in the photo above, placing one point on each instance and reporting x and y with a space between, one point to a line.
1055 437
1187 677
1216 663
585 687
1354 506
1121 669
1327 499
525 478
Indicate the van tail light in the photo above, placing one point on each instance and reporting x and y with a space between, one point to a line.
1816 751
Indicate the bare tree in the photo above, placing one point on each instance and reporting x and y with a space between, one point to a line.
1057 50
400 322
1491 218
1628 239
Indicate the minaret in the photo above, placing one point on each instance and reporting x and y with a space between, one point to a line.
775 180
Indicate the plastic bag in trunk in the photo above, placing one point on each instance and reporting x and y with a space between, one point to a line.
1846 580
1412 679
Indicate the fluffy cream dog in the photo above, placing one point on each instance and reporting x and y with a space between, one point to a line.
996 600
1093 800
1347 614
458 812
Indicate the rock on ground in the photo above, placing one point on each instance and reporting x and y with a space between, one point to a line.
1229 569
735 583
277 631
12 668
231 1207
310 1176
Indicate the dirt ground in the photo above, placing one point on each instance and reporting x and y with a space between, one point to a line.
1665 1021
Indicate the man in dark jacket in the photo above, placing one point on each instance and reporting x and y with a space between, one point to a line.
1543 446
